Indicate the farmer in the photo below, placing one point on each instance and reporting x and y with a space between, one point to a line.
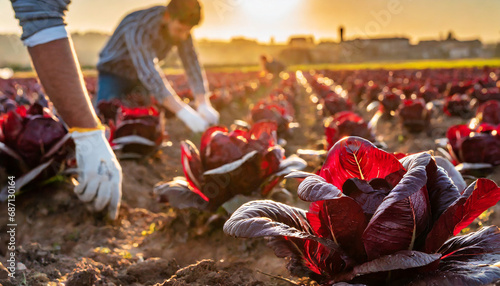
130 60
269 65
54 59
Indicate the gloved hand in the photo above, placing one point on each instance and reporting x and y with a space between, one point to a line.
192 119
99 173
209 113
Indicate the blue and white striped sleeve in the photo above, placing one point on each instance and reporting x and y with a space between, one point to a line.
195 75
42 21
146 64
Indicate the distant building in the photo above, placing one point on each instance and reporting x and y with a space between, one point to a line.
463 49
429 49
450 48
361 49
298 51
301 42
243 41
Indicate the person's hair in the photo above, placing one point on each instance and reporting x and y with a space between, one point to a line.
188 12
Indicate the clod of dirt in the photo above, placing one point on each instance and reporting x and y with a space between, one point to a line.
151 271
207 272
90 273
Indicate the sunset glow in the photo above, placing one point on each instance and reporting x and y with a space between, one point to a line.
263 19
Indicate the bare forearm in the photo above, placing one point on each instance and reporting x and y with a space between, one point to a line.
201 98
59 72
173 103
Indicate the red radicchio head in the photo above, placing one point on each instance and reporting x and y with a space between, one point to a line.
489 112
33 140
135 131
228 164
414 114
458 105
477 145
279 112
335 103
346 124
376 220
390 102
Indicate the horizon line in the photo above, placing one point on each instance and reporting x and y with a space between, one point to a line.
317 39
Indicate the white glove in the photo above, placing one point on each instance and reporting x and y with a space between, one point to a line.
99 173
192 119
209 113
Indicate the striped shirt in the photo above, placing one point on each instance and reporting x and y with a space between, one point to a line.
139 43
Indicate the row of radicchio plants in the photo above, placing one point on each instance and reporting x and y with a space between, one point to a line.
377 220
245 162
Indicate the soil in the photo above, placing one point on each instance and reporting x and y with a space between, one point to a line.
60 242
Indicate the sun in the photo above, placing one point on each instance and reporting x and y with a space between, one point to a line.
269 10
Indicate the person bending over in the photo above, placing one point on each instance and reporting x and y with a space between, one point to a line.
130 60
54 59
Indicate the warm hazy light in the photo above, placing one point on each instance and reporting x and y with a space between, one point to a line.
272 11
263 19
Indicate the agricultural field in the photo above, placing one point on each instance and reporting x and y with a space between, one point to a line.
172 230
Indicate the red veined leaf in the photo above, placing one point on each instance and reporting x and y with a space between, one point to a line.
222 149
347 116
268 219
390 230
442 191
12 127
462 247
470 259
138 112
423 217
454 176
192 166
403 215
355 157
477 198
485 195
179 195
331 132
404 259
240 177
291 236
308 258
264 131
343 221
270 163
207 137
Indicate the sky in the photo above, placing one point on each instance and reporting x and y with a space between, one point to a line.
263 19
